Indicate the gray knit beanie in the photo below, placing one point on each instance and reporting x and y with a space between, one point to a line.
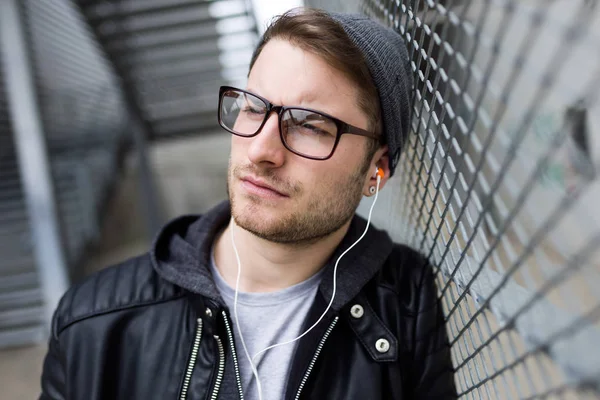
387 58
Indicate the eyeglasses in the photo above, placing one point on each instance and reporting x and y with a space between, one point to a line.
305 132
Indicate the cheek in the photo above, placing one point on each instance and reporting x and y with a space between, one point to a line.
239 147
320 183
310 180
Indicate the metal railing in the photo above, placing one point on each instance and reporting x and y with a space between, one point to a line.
498 185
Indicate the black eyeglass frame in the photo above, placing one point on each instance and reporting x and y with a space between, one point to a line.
342 127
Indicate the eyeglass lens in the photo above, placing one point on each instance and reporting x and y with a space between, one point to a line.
304 132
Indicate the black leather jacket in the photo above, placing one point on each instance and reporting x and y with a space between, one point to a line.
154 327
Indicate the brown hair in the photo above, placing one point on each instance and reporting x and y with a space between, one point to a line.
315 31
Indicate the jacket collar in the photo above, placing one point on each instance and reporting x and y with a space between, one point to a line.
181 255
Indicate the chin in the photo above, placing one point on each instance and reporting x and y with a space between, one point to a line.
264 223
254 212
297 220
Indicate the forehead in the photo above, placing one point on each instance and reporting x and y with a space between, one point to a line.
288 75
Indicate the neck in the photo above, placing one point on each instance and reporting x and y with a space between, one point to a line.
267 266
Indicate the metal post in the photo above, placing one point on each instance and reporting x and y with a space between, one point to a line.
149 198
33 158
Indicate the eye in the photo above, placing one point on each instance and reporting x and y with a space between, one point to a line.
253 110
315 131
319 129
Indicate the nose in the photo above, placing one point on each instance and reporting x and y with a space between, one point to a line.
266 148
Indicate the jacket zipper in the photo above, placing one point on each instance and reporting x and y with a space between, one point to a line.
192 362
221 369
234 354
315 356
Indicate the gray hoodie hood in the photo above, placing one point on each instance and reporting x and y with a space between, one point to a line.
181 255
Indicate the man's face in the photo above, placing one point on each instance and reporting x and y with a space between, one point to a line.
308 199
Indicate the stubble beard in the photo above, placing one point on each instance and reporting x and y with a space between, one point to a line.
326 212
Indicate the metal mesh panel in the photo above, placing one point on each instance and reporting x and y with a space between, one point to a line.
498 186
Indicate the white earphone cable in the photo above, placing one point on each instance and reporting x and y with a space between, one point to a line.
237 322
251 359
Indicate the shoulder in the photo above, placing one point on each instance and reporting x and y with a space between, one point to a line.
409 274
132 283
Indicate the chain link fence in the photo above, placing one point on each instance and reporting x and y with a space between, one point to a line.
498 185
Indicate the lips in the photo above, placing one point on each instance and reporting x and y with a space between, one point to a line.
262 185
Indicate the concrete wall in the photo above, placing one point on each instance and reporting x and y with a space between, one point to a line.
190 177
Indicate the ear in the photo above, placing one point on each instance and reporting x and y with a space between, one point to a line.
380 160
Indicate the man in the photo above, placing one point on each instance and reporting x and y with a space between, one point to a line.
274 294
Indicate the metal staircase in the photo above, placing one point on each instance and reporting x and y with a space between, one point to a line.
21 299
108 75
85 133
172 55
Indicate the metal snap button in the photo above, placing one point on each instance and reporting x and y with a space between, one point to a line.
382 345
357 311
208 312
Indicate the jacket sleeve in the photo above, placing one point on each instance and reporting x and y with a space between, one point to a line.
433 372
53 373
